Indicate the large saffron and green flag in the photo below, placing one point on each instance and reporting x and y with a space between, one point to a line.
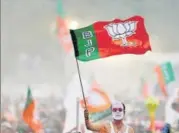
28 113
107 38
98 103
95 117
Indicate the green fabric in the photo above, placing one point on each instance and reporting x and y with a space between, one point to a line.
94 117
29 98
85 43
60 10
168 72
21 131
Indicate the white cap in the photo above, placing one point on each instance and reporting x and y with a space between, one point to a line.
117 104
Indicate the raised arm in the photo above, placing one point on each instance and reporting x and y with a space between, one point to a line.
92 126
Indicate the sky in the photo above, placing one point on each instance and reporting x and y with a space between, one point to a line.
31 54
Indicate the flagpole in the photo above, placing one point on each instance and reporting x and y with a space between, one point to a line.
81 84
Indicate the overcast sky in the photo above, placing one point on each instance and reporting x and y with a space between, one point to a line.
30 54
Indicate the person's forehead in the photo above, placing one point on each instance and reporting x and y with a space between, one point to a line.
117 105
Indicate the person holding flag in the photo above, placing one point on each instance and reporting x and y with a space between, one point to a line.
103 39
115 126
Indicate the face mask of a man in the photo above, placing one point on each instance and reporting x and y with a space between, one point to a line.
117 111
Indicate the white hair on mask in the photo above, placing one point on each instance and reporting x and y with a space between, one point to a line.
116 103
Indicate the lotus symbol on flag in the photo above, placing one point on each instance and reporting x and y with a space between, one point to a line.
121 30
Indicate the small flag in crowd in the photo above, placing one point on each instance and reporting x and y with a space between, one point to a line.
165 75
63 32
28 113
168 72
107 38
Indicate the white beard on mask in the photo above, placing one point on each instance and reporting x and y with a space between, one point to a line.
118 115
